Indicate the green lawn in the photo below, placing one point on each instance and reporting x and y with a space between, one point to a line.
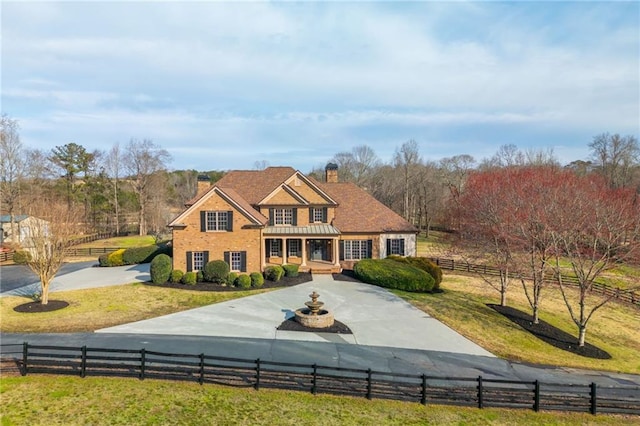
121 242
49 400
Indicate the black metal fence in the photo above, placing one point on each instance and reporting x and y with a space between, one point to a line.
632 297
462 391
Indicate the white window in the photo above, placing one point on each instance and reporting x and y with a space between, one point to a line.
356 249
283 216
197 260
217 221
395 246
294 247
318 215
236 260
274 249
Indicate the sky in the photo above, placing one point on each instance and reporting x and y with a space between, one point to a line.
223 85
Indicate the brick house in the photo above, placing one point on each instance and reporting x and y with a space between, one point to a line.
253 219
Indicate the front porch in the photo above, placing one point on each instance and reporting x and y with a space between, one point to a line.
315 267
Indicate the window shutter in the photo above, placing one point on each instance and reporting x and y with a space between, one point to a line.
388 246
243 261
310 215
294 217
402 247
205 258
299 253
369 249
341 249
271 216
324 215
203 221
227 256
230 221
189 261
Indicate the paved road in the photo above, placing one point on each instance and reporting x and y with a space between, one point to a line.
16 276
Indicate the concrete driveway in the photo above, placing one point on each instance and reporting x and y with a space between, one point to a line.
375 316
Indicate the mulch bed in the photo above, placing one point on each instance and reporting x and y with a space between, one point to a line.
302 277
346 275
550 334
35 307
292 325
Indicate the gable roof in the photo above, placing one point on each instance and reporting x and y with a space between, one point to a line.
361 212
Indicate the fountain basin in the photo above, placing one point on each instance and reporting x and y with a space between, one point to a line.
323 319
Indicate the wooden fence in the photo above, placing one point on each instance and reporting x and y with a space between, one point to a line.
6 256
89 251
632 297
426 389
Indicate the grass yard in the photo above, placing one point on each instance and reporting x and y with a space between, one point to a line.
97 308
121 242
49 400
462 307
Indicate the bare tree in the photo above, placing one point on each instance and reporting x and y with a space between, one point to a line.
260 164
431 193
114 167
11 168
407 158
47 237
455 171
616 157
144 159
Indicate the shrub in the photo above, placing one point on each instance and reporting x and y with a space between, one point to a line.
176 276
160 269
257 280
231 280
115 258
200 276
392 274
290 270
144 254
21 257
216 271
273 273
190 278
103 259
243 281
425 264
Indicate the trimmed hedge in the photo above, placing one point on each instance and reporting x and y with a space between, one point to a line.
21 257
274 273
425 264
290 270
257 280
231 280
392 274
160 269
200 276
216 271
176 276
243 281
115 258
190 278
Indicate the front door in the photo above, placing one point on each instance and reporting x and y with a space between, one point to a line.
318 249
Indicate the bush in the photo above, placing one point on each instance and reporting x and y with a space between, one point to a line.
200 276
21 257
425 264
257 280
290 270
243 281
115 258
273 273
190 278
103 259
160 269
176 276
231 280
392 274
216 271
144 254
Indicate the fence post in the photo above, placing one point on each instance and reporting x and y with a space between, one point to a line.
143 360
201 379
25 356
480 401
368 383
536 396
314 382
83 362
423 399
257 385
594 400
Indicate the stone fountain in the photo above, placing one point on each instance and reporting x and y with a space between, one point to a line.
313 316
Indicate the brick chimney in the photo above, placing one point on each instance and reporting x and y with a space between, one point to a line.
331 173
204 182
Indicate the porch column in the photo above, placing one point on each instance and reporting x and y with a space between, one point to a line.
336 252
304 251
284 251
263 254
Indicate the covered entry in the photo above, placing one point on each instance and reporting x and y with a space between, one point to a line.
301 245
